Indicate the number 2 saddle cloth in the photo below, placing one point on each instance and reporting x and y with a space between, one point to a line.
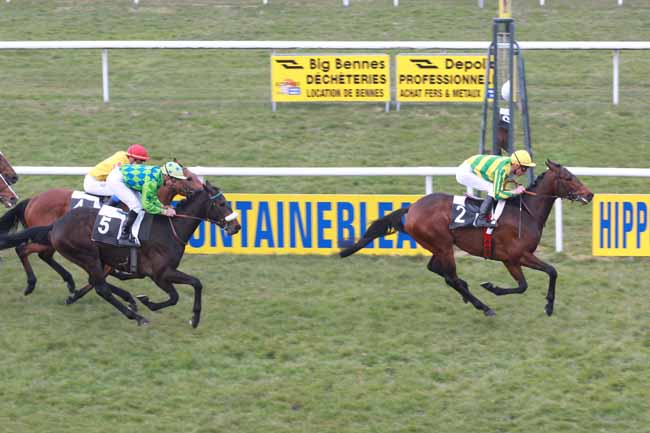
465 209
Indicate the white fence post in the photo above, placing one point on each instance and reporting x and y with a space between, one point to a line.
105 74
559 229
615 62
428 184
346 3
481 3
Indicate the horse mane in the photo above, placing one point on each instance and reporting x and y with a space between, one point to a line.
537 180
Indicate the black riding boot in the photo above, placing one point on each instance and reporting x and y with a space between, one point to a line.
126 238
481 220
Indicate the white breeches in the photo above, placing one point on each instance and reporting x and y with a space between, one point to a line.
465 176
116 184
97 187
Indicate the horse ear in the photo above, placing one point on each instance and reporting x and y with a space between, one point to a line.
553 164
177 162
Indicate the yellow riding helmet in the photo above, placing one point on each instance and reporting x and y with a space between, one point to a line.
173 169
522 157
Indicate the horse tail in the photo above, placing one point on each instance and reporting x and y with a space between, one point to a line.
381 227
38 235
13 216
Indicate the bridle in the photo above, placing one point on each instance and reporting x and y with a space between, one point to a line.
221 222
7 186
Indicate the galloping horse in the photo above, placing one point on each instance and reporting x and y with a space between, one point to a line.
427 222
8 196
45 208
159 256
7 171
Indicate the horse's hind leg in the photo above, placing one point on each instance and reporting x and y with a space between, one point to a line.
46 256
124 294
104 290
445 266
23 252
78 294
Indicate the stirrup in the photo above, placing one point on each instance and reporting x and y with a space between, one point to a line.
127 240
484 223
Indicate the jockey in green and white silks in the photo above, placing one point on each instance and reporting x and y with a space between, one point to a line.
489 173
137 186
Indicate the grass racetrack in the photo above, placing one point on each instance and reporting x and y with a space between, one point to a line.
320 344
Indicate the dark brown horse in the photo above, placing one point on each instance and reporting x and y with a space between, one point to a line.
7 171
427 222
159 256
45 208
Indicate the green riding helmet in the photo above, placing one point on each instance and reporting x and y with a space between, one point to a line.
173 169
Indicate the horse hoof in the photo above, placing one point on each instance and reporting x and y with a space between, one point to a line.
548 310
69 300
71 286
489 312
194 322
143 298
487 285
142 321
133 306
28 291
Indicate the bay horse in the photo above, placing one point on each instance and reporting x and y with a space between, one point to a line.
515 239
159 256
8 196
46 207
7 171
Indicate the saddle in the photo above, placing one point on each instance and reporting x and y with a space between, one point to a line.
109 222
84 199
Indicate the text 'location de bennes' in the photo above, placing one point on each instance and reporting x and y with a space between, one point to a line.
330 78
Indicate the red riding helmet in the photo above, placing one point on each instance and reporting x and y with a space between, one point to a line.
137 151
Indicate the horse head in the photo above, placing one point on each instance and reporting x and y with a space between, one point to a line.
567 185
220 212
7 171
8 197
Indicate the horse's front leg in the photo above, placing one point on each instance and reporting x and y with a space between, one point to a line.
517 274
531 261
166 282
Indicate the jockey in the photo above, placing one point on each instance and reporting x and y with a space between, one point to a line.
489 173
130 182
95 180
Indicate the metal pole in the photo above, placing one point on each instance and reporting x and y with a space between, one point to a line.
615 61
558 225
105 74
481 3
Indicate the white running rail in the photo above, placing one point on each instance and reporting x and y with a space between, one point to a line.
427 172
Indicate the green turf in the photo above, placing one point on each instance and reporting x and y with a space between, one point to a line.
319 344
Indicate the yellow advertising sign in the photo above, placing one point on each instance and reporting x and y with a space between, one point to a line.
304 224
620 225
314 78
440 77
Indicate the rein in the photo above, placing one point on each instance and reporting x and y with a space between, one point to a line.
192 217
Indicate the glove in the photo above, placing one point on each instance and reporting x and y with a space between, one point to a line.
169 211
519 190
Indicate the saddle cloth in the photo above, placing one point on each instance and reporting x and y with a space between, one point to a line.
109 222
83 199
464 211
